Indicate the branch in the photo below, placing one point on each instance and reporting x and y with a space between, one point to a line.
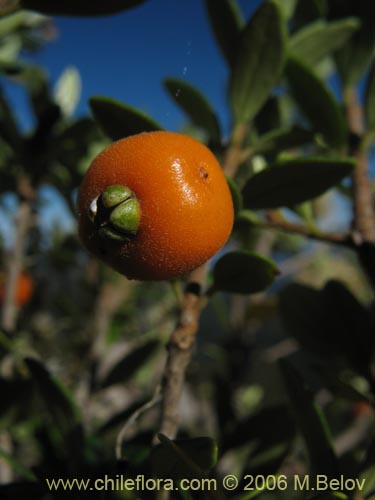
180 349
14 267
364 217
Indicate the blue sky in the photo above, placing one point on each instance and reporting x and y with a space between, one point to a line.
126 56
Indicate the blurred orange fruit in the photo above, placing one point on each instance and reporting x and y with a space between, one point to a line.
24 290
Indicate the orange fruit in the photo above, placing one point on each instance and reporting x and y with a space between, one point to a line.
155 206
24 290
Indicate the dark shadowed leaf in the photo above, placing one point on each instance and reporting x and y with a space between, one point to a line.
56 398
8 126
284 138
259 61
119 120
329 322
11 68
311 422
261 429
308 12
243 272
370 100
294 181
354 58
269 117
196 106
226 22
80 7
120 417
72 145
183 457
236 195
125 368
319 39
317 103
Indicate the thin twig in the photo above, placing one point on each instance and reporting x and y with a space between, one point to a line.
155 400
276 221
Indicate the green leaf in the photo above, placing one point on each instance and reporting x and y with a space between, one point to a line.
294 181
196 106
11 23
319 39
55 396
8 126
184 457
288 7
79 7
119 120
243 272
16 466
317 103
311 422
269 117
226 22
127 367
370 100
260 58
11 68
308 12
283 138
236 195
355 57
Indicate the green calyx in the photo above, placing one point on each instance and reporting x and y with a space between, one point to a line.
116 213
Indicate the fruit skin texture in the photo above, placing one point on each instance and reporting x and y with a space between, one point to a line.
186 205
24 290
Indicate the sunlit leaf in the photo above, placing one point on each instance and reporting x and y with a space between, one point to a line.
80 7
67 90
319 39
196 106
243 272
317 103
259 61
226 22
119 120
292 182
